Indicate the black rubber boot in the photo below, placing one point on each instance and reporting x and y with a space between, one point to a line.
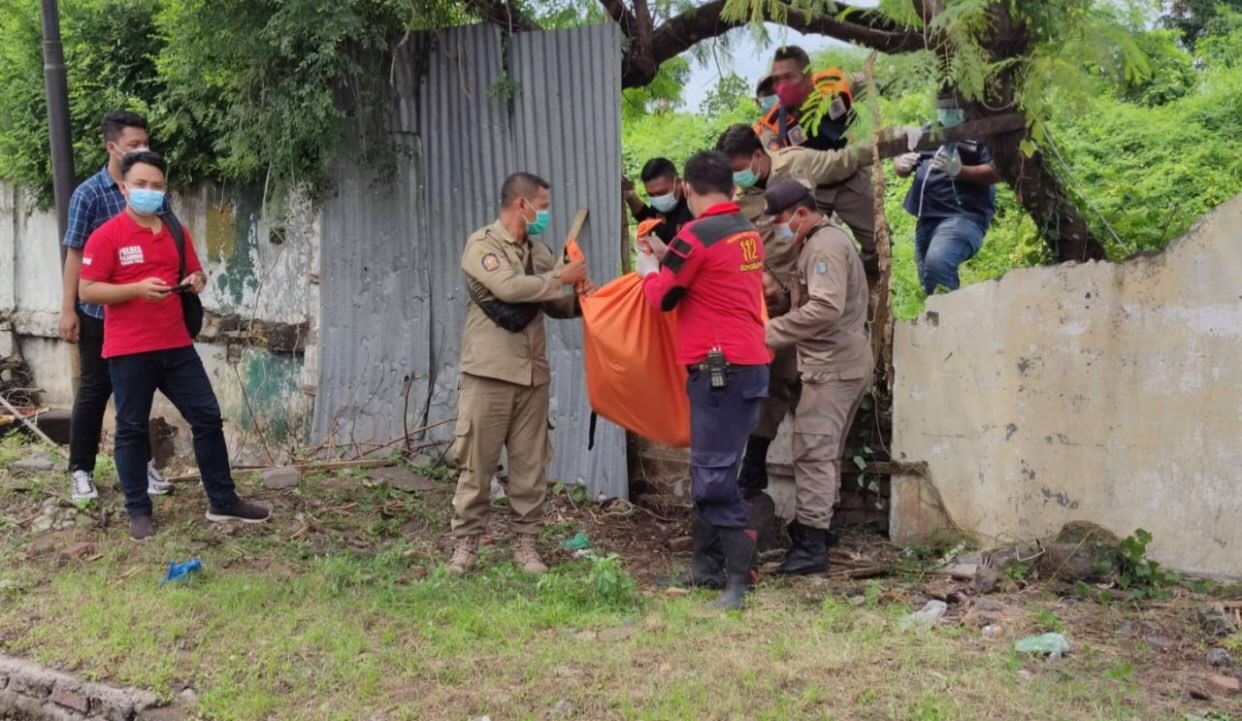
741 559
753 477
707 569
808 553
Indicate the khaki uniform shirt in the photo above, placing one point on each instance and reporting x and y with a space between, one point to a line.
828 322
819 170
496 265
812 168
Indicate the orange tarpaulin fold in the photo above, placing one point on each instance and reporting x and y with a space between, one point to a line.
630 349
632 374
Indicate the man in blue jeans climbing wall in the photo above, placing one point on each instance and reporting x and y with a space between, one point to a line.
953 196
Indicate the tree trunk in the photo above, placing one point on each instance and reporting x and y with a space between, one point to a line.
1044 197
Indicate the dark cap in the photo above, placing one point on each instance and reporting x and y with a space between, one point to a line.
783 195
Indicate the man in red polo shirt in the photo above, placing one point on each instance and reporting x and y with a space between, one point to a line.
712 274
132 266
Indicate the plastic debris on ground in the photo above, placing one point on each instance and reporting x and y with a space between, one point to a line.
579 542
178 571
929 615
1053 645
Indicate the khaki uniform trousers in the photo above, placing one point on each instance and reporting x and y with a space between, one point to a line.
825 412
491 415
782 383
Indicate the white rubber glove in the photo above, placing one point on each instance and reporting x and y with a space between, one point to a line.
658 248
948 163
904 164
913 134
646 264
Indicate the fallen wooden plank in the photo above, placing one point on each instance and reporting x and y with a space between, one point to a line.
324 466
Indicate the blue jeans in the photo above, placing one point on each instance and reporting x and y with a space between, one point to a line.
180 376
943 244
720 422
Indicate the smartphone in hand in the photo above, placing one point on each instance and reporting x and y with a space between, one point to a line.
181 287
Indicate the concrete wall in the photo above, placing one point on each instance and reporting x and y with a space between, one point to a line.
1101 392
260 271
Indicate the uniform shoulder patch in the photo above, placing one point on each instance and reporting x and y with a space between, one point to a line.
491 262
821 267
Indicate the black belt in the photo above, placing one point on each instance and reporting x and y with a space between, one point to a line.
729 368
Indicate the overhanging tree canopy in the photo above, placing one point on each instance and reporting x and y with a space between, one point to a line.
1003 54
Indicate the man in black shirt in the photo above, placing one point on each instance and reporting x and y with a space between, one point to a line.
668 200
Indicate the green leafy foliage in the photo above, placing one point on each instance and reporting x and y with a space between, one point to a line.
1194 19
235 90
733 91
1172 71
606 583
662 94
1137 571
109 51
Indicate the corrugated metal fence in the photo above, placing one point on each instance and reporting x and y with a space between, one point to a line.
471 109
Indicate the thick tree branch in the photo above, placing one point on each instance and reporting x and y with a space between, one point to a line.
503 14
683 31
621 15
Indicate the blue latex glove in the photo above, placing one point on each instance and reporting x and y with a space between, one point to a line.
178 571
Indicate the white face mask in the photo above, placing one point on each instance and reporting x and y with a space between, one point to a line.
664 203
783 232
793 234
121 153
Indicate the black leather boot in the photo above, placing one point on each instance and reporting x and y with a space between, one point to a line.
707 568
753 477
741 560
808 552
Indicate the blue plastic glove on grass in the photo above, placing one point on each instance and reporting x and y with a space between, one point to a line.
178 571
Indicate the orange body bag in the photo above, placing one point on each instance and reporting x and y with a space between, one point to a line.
630 352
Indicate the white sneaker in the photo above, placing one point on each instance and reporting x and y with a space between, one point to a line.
156 485
83 485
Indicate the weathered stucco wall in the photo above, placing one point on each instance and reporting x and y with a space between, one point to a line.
1103 392
260 271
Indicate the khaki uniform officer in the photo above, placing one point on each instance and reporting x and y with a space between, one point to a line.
513 281
780 263
755 169
828 325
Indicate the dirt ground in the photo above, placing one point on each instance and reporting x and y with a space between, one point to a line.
1157 644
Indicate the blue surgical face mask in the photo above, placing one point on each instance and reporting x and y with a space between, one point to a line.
145 201
539 224
745 178
782 232
951 116
768 102
664 203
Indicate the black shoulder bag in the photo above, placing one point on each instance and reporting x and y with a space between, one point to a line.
191 304
513 317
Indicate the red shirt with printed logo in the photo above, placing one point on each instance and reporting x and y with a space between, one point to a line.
713 275
120 252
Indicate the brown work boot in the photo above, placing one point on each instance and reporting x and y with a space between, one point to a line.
527 556
141 528
464 556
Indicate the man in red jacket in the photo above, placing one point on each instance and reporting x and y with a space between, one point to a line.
131 266
712 275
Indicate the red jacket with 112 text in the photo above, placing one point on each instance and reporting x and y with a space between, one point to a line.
713 275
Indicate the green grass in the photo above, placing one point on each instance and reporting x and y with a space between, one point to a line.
355 618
